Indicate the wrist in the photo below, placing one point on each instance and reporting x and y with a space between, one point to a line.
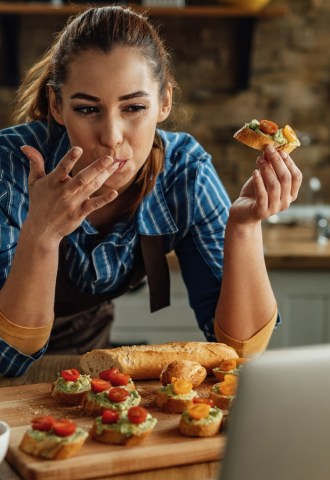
38 240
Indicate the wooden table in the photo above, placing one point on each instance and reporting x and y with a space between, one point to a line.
45 370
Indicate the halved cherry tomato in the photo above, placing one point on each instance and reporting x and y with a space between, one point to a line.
266 126
137 414
181 386
44 424
118 394
109 416
116 379
70 375
227 388
98 385
228 364
290 134
105 375
228 378
64 427
199 410
207 401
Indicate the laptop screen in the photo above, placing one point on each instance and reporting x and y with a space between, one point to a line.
279 425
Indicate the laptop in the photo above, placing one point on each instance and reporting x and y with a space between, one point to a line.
279 425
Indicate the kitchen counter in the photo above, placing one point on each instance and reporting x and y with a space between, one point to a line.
45 370
294 247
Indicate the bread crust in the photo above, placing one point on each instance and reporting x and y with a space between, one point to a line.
144 362
186 369
200 430
224 402
171 404
117 438
68 398
49 449
259 141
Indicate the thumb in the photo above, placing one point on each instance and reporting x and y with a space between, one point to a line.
37 165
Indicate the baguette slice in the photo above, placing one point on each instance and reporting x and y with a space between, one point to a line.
200 428
259 140
117 438
51 448
144 362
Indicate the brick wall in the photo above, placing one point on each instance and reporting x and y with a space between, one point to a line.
289 82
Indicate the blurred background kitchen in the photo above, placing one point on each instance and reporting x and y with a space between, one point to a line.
235 60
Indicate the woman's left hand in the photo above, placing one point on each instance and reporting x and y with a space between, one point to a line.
270 190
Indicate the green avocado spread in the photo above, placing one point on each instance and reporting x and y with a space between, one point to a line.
82 384
125 427
277 137
40 436
214 414
103 400
168 389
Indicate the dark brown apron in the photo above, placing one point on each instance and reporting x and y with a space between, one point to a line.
83 321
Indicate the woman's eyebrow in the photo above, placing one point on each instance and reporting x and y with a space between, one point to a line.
92 98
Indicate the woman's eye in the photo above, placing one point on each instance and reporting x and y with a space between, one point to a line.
135 108
86 109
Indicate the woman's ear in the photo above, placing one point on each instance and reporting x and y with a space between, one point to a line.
54 106
166 104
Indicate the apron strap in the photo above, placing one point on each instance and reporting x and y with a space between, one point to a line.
157 271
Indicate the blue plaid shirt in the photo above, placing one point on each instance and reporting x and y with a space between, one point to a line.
188 206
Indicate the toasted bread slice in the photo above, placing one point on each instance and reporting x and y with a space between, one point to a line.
50 447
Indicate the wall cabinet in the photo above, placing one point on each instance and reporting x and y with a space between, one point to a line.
304 303
303 299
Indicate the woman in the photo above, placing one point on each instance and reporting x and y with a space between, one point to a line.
94 194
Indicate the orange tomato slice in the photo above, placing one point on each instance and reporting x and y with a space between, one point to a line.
227 388
230 379
198 410
181 386
227 365
290 134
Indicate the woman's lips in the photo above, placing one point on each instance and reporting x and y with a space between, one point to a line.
121 162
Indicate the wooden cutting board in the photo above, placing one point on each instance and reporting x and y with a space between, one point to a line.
164 447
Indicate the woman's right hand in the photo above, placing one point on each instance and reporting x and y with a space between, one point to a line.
59 202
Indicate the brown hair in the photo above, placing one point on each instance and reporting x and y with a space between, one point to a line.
101 28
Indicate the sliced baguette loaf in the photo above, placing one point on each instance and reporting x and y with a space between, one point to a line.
143 362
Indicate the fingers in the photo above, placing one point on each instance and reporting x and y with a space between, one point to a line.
37 164
94 203
90 179
281 177
67 163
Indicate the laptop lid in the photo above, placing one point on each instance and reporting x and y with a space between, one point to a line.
279 426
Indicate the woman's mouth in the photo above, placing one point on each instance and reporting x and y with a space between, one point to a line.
121 163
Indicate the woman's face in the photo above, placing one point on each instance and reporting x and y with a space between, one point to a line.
111 106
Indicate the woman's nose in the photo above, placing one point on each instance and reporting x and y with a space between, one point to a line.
111 134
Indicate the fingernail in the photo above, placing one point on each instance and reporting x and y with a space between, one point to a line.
284 155
76 152
23 148
271 149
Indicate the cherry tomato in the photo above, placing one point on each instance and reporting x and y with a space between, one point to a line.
44 424
137 414
98 385
207 401
266 126
110 416
119 379
118 394
64 427
70 375
105 375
